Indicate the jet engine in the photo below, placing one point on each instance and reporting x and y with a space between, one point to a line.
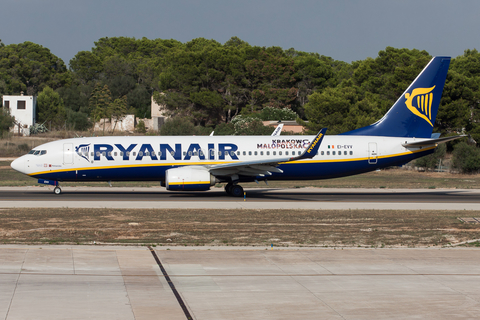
189 179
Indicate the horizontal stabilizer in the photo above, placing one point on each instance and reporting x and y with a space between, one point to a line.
431 142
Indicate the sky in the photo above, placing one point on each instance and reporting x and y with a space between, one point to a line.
345 30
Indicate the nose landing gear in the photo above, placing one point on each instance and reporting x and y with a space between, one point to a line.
57 190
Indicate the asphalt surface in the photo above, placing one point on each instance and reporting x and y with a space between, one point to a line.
261 198
257 195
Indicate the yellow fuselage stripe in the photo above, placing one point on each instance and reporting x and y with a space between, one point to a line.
223 162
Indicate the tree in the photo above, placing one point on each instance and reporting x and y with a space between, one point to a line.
118 110
466 158
51 108
272 113
99 102
177 126
432 160
29 67
6 121
246 126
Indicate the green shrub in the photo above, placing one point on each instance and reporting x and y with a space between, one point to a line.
431 161
141 127
466 158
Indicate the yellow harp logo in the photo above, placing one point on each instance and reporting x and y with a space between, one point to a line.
424 101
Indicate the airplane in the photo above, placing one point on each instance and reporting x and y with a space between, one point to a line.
196 163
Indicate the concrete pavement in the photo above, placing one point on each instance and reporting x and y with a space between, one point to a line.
107 282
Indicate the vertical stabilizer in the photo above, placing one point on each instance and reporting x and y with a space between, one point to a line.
414 113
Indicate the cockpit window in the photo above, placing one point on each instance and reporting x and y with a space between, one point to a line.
37 152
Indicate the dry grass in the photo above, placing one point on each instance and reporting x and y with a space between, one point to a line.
371 228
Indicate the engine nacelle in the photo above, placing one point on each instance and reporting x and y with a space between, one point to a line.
188 179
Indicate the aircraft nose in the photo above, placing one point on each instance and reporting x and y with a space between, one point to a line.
18 164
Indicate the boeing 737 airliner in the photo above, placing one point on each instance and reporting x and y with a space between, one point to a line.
198 162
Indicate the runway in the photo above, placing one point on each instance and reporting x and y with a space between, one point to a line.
260 198
112 282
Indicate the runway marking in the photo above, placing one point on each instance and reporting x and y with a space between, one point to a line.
171 284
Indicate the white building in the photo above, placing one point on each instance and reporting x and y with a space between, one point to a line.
23 108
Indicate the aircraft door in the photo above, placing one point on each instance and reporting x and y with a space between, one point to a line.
372 153
67 153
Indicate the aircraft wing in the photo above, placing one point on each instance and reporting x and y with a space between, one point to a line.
263 168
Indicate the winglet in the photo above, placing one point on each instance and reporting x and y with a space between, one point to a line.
312 149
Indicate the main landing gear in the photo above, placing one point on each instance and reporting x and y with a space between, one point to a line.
234 190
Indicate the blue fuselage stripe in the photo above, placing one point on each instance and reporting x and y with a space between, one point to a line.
310 170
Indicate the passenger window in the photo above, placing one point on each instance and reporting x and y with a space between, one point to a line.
261 153
201 153
128 153
212 152
344 153
232 153
109 153
140 153
322 153
249 153
147 153
115 153
286 153
333 153
279 153
98 153
256 152
121 153
238 153
189 153
134 154
104 153
328 153
91 153
244 153
274 153
184 153
351 153
172 153
268 153
219 153
159 153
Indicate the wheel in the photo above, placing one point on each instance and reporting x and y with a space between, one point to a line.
236 191
57 190
228 188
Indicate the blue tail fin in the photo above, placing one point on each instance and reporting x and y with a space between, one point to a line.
414 113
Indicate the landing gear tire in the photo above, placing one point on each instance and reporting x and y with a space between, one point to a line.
228 188
57 190
236 191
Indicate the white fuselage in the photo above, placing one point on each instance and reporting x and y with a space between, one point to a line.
148 157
